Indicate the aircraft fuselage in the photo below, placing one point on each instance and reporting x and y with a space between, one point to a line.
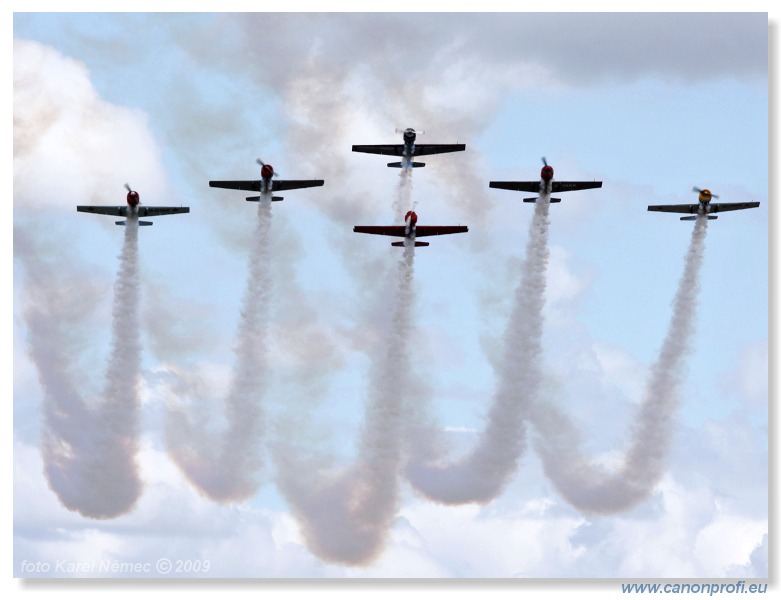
266 173
133 200
410 220
546 176
705 198
409 144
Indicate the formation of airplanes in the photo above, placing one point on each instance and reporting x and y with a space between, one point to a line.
268 185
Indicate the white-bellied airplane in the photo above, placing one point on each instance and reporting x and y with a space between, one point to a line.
134 209
704 207
410 230
266 184
409 149
545 186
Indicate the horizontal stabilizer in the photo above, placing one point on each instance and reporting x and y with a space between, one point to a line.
398 165
140 223
257 198
401 244
694 218
552 200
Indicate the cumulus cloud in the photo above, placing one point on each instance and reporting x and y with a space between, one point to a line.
749 379
87 147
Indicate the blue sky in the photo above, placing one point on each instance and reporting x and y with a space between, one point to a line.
650 105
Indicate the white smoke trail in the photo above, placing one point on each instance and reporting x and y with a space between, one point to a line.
402 201
89 453
345 518
481 475
584 484
227 470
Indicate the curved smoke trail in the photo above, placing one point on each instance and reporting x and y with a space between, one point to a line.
89 453
227 469
481 475
346 518
584 484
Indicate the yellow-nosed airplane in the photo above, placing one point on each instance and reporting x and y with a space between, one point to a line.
704 207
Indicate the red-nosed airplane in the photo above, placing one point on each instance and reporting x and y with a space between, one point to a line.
704 207
546 186
410 230
409 149
266 184
134 209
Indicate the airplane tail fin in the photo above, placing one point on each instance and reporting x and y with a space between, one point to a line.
694 218
257 198
552 200
401 244
398 165
140 223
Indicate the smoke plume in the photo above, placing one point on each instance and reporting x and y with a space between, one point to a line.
346 517
481 476
89 448
226 468
582 482
402 201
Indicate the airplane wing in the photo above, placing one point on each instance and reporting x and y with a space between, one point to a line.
389 149
676 208
571 186
424 230
247 186
401 230
556 186
424 149
158 211
396 230
724 206
518 186
117 211
280 186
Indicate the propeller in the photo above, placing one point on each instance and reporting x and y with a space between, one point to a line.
698 190
262 164
127 187
544 161
413 130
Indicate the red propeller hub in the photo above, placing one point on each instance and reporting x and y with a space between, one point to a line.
546 173
266 171
132 198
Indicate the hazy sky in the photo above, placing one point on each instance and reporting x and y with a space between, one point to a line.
650 104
